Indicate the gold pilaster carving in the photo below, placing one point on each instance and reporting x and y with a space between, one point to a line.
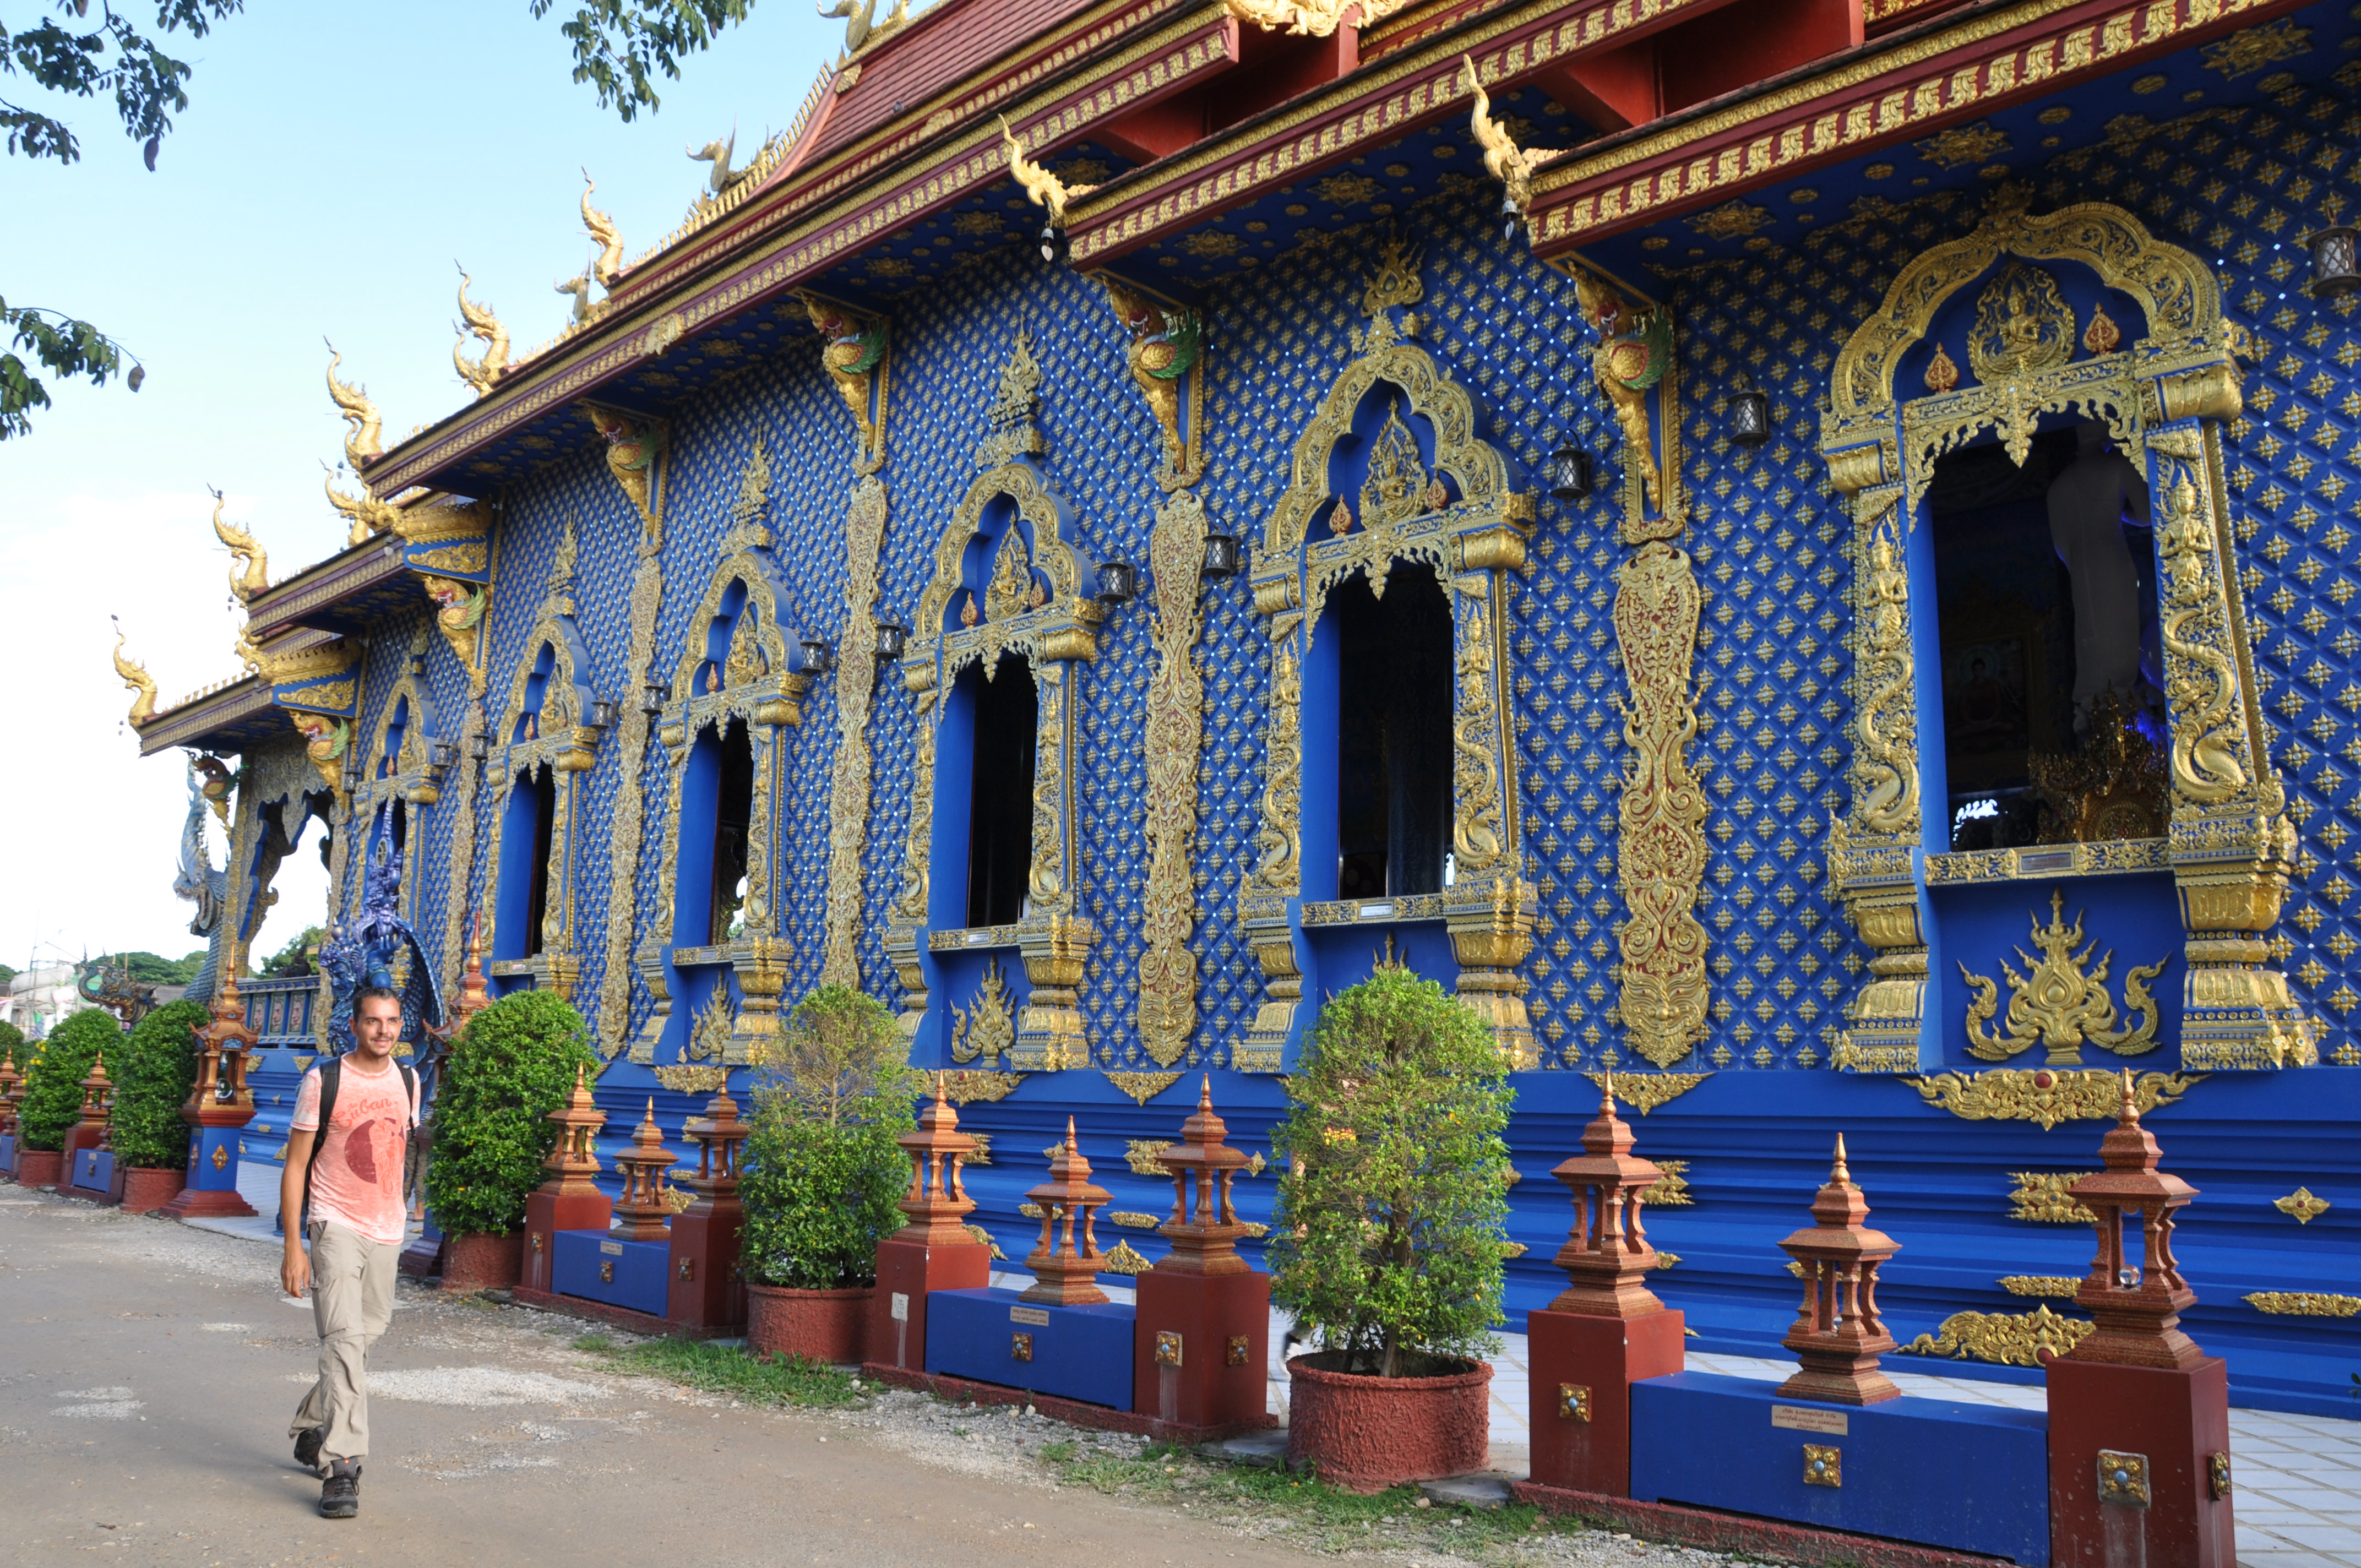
1176 737
856 678
1661 853
611 1028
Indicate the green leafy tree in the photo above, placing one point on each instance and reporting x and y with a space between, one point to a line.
823 1170
619 46
7 974
510 1068
12 1044
1387 1239
159 1069
153 968
300 944
53 1086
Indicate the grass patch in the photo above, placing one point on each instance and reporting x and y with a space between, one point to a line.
727 1369
1310 1512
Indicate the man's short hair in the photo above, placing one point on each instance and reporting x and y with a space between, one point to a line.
376 993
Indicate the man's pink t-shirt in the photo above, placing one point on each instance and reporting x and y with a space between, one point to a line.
357 1182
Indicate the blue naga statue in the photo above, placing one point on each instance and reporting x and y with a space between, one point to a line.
379 949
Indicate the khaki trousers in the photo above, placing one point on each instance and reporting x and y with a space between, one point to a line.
352 1301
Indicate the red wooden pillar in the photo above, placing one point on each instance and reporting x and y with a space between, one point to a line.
2139 1417
1608 1330
1202 1335
933 1251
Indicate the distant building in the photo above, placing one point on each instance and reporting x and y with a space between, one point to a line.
39 998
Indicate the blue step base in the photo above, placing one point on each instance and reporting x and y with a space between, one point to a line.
596 1267
1075 1352
1730 1444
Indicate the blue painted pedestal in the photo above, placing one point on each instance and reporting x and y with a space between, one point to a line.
596 1267
1968 1478
1074 1352
213 1159
93 1174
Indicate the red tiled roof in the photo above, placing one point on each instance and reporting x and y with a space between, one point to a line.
932 54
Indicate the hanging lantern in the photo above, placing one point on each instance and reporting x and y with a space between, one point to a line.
1749 410
1052 244
602 713
1568 471
1221 555
655 696
1117 581
892 638
2335 261
1511 220
818 655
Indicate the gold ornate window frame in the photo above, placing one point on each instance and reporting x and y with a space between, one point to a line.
1474 541
760 682
1052 939
409 775
565 742
2166 398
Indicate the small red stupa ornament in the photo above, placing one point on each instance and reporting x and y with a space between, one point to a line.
2137 1305
11 1083
1839 1336
1065 1270
574 1164
473 996
97 1100
1606 1254
643 1211
718 1134
1204 1232
936 1204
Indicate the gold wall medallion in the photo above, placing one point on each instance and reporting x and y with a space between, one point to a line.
1573 1402
1823 1464
2059 1286
1167 1348
1143 1087
2303 1303
2042 1197
2123 1479
1124 1258
2047 1098
1643 1092
960 1088
2005 1339
2061 1001
2301 1206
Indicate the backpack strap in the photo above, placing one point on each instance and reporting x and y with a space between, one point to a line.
331 1073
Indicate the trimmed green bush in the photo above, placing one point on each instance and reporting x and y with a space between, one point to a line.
1387 1239
12 1041
159 1069
508 1069
823 1170
53 1084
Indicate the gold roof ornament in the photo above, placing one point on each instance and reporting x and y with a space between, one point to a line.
860 27
1042 188
479 323
365 513
1512 166
609 264
137 679
253 573
1310 19
579 287
362 432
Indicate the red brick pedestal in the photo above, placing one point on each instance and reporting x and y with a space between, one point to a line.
2176 1420
1200 1349
40 1168
1582 1370
705 1286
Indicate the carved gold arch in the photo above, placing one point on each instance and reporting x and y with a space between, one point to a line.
2165 398
1465 519
759 682
409 775
1061 628
564 740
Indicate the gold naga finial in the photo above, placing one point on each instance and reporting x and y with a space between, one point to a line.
1512 166
361 435
1043 187
579 287
368 514
136 678
253 573
478 322
609 264
717 153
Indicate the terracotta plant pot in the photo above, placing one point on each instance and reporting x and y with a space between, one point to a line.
144 1191
483 1263
40 1168
826 1326
1366 1433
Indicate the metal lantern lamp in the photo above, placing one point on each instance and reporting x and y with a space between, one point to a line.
443 755
892 638
653 696
1749 410
479 746
2335 261
818 655
1568 472
1221 555
1118 582
602 713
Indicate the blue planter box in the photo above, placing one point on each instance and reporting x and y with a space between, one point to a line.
1970 1477
93 1170
596 1267
1075 1352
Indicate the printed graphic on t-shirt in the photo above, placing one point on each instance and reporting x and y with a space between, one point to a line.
357 1182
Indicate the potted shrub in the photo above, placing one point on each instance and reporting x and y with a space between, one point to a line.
158 1068
53 1091
1386 1241
510 1067
823 1172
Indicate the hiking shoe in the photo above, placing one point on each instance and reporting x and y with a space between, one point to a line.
340 1493
307 1447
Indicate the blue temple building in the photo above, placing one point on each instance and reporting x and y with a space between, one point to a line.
1797 552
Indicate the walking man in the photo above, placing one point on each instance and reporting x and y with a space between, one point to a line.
344 1149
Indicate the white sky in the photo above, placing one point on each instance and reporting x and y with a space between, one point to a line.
332 163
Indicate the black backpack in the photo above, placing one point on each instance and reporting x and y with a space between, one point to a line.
331 1073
